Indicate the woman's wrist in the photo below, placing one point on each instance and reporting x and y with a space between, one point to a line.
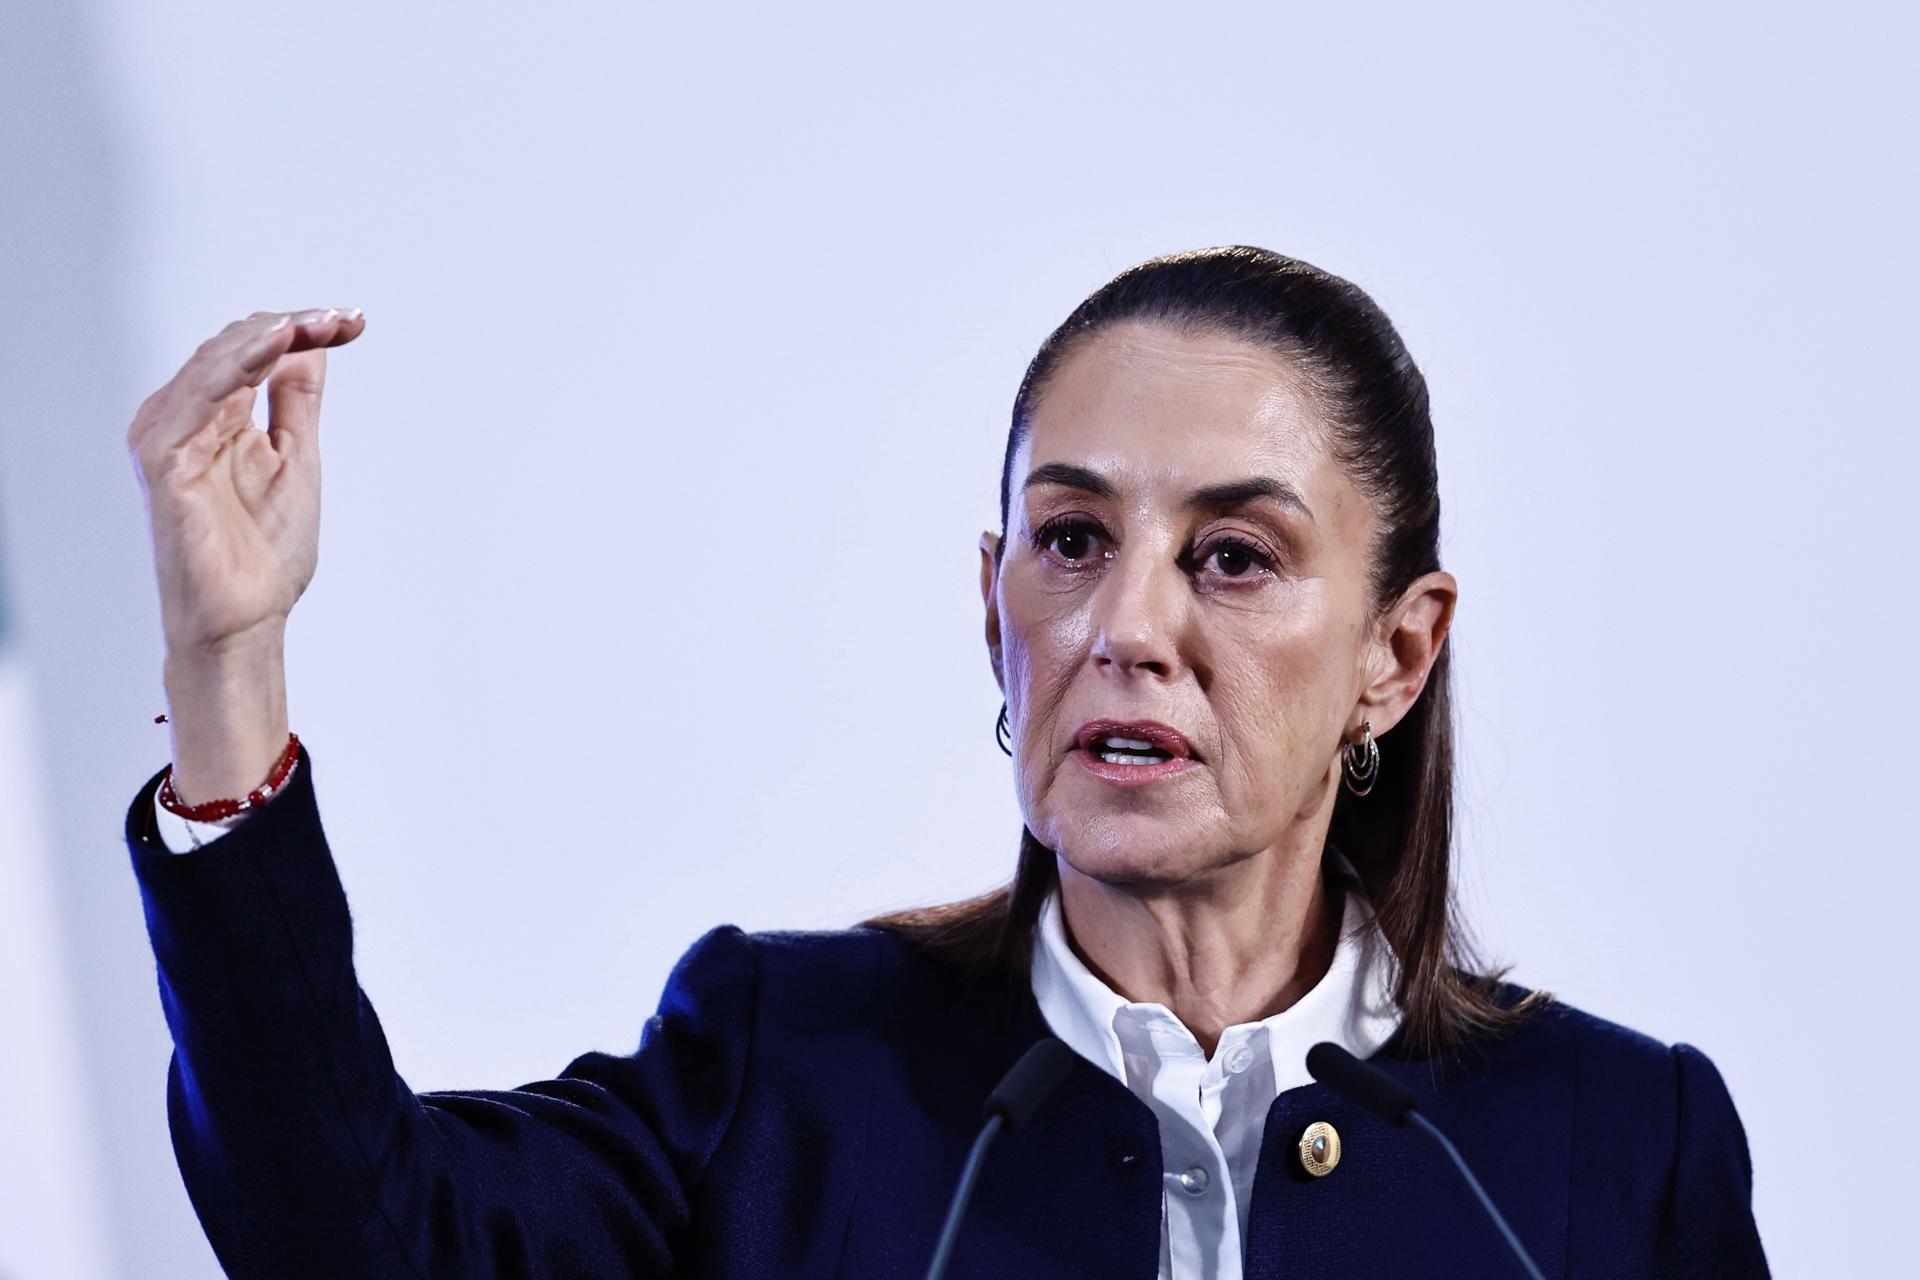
228 716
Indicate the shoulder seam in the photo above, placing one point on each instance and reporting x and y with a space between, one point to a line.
1574 1062
1672 1185
866 1117
746 1054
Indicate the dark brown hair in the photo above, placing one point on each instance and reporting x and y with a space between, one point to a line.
1398 837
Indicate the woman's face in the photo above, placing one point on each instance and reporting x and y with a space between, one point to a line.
1240 620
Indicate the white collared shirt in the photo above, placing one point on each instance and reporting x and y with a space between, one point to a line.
1212 1111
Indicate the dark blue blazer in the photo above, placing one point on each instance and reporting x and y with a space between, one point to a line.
801 1104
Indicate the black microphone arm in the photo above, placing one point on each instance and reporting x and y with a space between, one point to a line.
1023 1088
1393 1102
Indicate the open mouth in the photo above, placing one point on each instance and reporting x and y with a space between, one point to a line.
1133 753
1117 749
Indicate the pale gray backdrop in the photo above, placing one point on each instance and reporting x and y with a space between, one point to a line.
648 588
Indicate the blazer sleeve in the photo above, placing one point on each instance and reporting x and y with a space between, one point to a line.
1707 1229
304 1152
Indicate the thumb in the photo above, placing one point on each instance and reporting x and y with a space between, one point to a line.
293 401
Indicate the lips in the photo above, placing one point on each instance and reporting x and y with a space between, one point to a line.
1165 737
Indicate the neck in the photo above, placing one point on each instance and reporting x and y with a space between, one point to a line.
1238 945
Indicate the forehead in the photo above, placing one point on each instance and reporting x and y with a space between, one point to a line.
1148 405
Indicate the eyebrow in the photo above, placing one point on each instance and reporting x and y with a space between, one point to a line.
1211 497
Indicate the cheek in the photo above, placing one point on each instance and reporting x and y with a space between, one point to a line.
1275 706
1041 656
1040 650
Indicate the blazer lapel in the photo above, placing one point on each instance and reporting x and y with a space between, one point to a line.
1394 1204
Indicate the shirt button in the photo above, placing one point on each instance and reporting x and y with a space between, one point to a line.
1239 1059
1194 1181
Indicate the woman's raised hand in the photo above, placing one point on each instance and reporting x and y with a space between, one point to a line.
236 511
235 516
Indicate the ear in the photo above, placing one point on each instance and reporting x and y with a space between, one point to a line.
989 578
1403 652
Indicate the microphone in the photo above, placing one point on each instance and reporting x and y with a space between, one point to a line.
1024 1087
1376 1091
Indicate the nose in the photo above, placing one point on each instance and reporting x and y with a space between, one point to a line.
1137 611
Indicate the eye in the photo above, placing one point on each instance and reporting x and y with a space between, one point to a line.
1239 558
1077 538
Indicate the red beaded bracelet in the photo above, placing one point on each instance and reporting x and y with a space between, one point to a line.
214 810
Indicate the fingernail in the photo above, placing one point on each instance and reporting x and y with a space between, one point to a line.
319 315
279 324
351 313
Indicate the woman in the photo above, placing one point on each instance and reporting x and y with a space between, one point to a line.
1215 592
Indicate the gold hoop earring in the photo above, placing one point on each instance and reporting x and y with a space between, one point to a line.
1001 733
1360 761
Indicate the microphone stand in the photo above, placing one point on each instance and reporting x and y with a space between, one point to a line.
1040 1069
1427 1127
1374 1090
961 1194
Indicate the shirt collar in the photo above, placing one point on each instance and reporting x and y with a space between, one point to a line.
1352 1005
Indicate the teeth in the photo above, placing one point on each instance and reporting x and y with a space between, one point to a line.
1136 743
1121 757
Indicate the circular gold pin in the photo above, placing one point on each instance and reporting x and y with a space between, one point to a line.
1320 1148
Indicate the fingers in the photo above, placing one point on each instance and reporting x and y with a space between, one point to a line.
257 349
239 356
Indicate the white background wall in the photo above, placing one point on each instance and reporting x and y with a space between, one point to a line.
692 335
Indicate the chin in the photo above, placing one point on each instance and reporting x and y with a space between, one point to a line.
1133 848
